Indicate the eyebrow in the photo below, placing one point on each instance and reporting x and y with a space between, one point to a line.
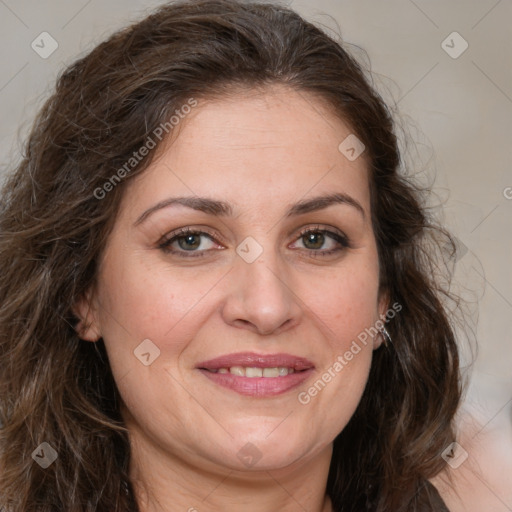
223 209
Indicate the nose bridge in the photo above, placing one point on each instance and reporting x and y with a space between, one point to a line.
260 295
264 279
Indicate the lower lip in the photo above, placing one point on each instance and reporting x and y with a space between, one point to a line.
258 386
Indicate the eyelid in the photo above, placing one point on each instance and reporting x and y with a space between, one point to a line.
168 238
335 234
328 230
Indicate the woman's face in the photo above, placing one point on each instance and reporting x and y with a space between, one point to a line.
247 285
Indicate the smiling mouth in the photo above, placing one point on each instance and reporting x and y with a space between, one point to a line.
257 375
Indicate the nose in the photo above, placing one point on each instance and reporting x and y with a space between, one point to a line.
260 297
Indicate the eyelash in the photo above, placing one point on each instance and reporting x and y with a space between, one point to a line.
166 242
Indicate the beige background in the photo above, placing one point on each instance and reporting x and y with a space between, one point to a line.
459 112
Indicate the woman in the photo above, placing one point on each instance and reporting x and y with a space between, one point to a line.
218 288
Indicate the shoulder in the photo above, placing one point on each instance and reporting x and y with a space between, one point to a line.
481 478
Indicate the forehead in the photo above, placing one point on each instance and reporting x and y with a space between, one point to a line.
253 148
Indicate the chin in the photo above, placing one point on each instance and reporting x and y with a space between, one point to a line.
265 452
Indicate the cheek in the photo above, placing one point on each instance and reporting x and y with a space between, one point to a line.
152 301
346 310
139 304
346 301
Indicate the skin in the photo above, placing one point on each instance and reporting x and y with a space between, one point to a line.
482 480
260 151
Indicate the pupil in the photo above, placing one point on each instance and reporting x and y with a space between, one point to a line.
187 239
317 239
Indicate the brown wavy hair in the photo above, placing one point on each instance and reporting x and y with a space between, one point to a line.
56 388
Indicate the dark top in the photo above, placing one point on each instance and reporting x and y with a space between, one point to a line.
429 500
425 499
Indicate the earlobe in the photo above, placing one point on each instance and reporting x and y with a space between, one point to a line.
85 310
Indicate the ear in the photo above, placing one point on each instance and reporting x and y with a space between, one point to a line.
383 307
383 303
86 310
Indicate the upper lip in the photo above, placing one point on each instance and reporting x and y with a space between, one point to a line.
253 360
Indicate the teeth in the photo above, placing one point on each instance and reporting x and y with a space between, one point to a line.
237 370
241 371
254 372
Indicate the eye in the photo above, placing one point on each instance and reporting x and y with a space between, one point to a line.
186 240
323 242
